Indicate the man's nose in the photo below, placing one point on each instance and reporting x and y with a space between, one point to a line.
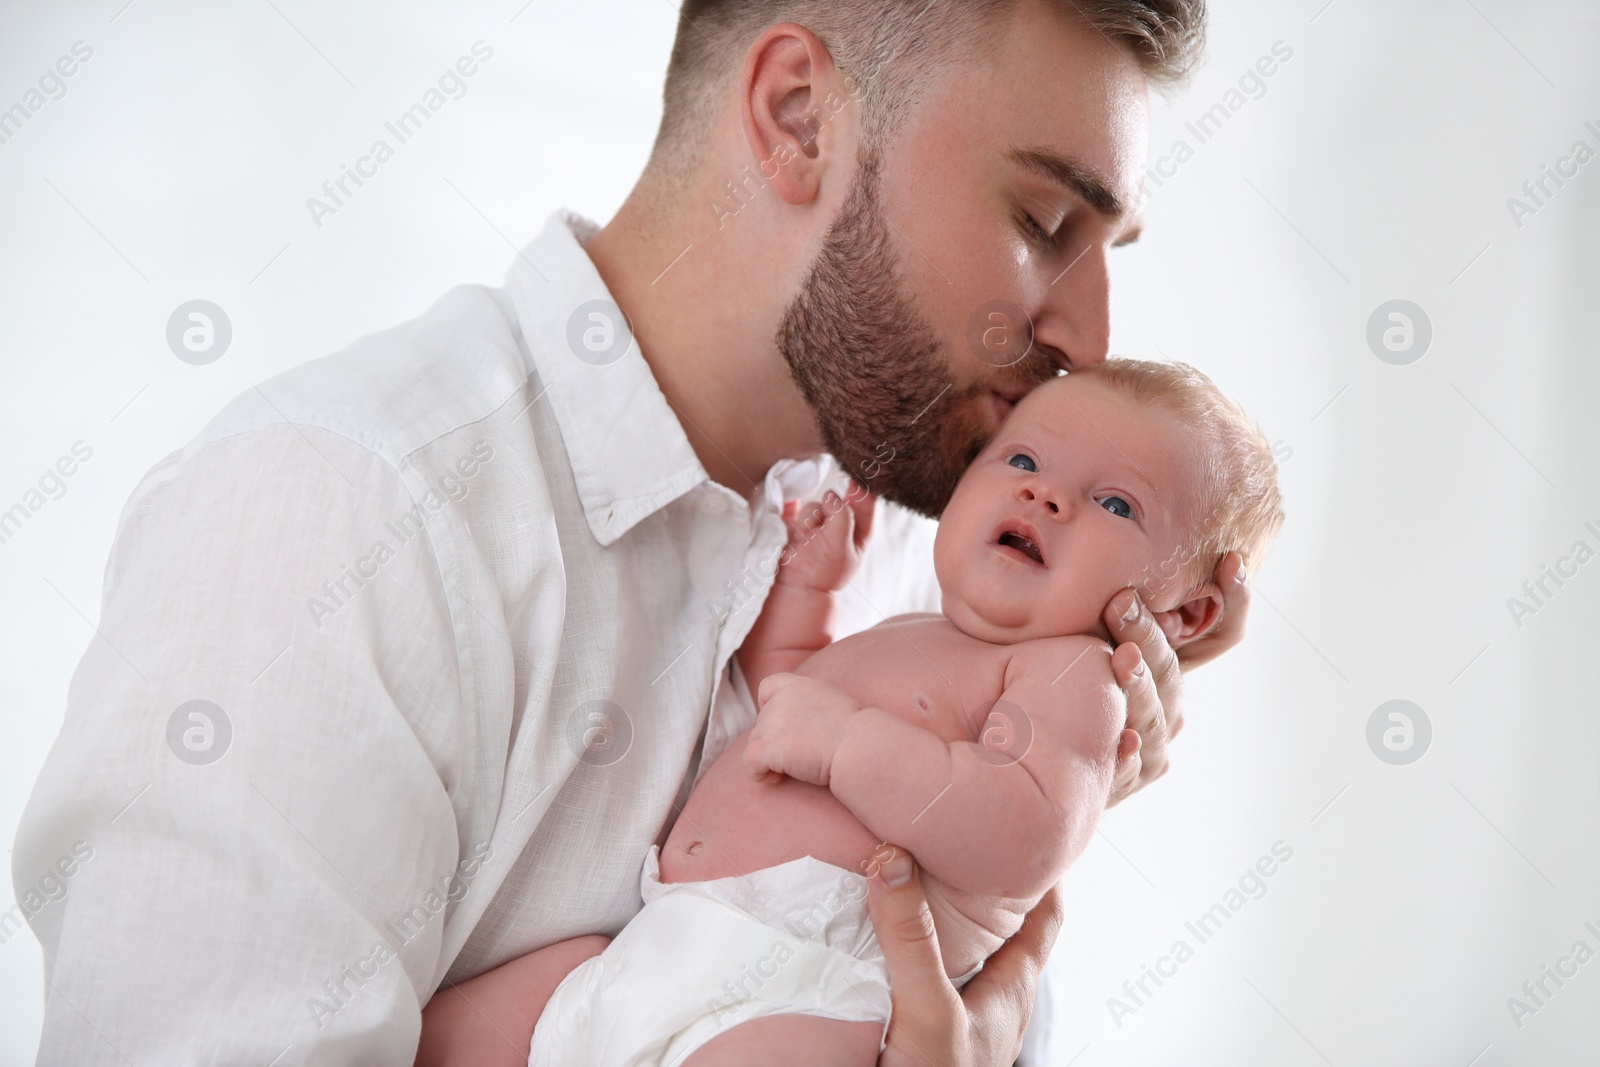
1073 322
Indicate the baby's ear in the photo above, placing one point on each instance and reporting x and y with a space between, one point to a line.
1192 619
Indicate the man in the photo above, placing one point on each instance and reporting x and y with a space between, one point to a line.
407 659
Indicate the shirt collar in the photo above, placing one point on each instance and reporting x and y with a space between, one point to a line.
629 454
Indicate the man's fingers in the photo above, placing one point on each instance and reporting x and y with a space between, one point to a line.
1146 713
1234 582
1003 992
1021 959
1156 709
1146 719
1128 745
1125 782
1134 678
927 1011
1129 620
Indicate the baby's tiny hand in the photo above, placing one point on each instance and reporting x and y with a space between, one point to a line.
798 729
826 540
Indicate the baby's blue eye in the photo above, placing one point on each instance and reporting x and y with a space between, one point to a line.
1117 506
1023 461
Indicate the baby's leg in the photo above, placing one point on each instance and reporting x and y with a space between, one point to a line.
791 1041
489 1020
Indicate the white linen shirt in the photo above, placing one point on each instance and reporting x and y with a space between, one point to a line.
458 607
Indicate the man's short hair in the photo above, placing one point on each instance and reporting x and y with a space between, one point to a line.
886 49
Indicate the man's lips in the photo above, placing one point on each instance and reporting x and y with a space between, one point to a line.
1020 540
1005 397
1002 407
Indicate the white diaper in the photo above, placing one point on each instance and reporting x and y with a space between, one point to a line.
704 956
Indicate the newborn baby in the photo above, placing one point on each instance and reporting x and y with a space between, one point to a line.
982 739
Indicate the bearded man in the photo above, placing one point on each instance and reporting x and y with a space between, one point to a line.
408 657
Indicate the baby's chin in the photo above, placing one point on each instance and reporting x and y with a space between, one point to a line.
1016 625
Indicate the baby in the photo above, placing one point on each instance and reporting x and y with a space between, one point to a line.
982 739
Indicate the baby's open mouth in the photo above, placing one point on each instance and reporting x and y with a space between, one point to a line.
1022 539
1023 545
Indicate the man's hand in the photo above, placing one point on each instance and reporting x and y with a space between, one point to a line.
797 730
1151 674
933 1024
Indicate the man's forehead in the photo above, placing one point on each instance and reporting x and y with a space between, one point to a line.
1073 109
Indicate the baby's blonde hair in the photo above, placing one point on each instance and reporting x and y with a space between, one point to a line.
1239 509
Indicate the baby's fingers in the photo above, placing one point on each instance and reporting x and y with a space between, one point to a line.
758 762
863 506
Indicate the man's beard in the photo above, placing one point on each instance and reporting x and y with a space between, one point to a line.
877 379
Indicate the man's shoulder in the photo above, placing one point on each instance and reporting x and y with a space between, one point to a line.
394 391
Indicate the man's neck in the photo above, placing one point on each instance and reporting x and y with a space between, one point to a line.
705 306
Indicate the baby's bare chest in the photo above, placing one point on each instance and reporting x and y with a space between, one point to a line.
922 669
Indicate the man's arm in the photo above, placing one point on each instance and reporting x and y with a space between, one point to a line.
261 768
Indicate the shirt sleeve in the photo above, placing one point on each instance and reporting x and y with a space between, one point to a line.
254 784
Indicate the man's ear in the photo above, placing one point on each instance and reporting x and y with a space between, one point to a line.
1192 619
791 96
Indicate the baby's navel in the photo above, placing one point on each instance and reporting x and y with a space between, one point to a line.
923 704
695 847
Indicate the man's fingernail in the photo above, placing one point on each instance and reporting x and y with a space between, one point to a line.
897 872
1241 577
1131 612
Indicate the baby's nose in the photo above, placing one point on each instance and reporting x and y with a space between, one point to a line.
1030 495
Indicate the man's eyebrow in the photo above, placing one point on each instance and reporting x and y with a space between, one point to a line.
1072 176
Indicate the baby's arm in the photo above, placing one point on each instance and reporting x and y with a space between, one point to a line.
824 550
1008 814
1003 816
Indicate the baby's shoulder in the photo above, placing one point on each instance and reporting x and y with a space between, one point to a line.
1080 660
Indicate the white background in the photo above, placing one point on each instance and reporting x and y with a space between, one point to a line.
1376 166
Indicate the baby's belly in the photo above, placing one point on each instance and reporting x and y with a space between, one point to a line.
733 824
